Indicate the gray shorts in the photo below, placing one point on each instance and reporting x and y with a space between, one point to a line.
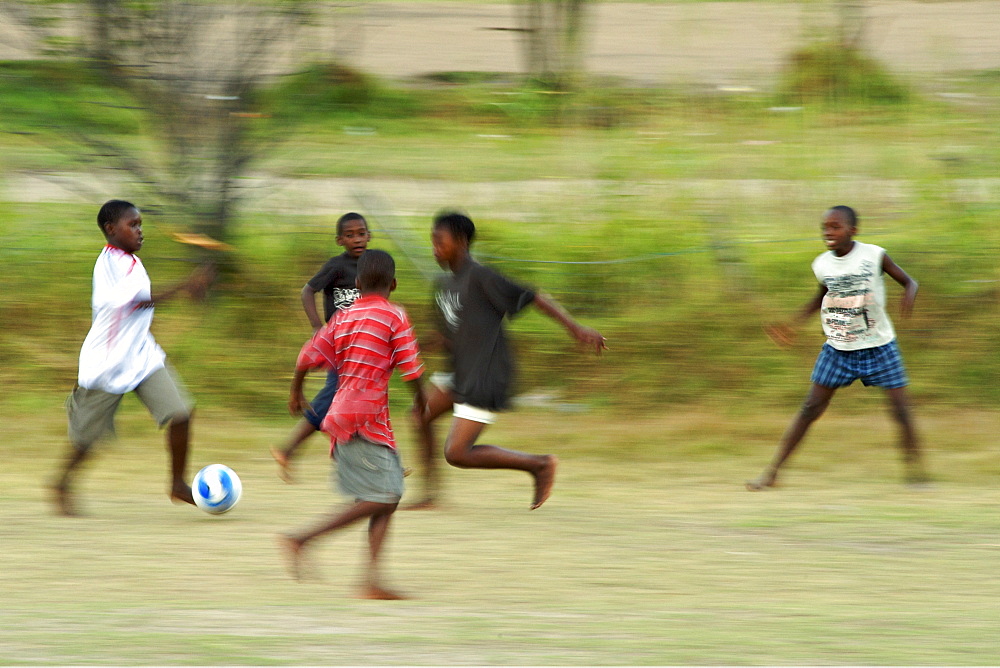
91 413
367 471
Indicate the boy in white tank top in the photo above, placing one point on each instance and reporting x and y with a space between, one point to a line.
860 339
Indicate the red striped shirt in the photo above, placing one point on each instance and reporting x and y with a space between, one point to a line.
364 343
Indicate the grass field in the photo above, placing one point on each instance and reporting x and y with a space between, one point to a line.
649 552
682 221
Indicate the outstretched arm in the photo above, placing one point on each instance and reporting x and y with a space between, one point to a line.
585 335
309 306
910 286
196 286
784 333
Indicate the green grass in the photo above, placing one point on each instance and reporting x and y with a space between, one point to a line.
649 552
699 210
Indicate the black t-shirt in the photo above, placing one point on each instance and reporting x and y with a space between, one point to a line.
472 304
337 281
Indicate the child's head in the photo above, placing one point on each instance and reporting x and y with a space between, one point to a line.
376 272
840 223
353 234
849 214
121 224
451 235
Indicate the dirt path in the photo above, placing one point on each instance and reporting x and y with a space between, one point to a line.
710 42
716 43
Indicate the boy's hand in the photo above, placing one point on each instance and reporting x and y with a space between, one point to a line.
906 306
297 403
419 405
591 338
781 334
199 281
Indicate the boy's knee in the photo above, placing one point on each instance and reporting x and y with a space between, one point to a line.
900 412
456 456
383 508
811 409
179 420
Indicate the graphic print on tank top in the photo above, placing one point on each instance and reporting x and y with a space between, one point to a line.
848 304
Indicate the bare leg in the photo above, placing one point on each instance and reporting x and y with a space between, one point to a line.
61 488
303 430
461 450
908 442
178 438
438 402
294 544
378 527
813 407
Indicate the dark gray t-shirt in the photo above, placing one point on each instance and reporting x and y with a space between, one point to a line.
471 305
337 281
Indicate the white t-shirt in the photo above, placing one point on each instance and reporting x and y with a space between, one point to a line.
119 351
853 310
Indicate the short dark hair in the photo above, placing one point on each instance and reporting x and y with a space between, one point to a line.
460 225
112 210
348 217
376 269
852 216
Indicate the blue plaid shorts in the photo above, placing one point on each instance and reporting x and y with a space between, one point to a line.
881 366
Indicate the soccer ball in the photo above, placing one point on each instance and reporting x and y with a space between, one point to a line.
216 489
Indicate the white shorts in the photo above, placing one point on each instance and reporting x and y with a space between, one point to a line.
446 382
442 380
473 413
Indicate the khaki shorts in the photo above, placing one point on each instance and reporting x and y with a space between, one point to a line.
367 471
91 413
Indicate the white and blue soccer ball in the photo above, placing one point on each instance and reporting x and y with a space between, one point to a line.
216 489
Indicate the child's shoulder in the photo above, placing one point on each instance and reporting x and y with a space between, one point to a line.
397 309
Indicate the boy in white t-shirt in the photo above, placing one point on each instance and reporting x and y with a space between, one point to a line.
861 342
120 355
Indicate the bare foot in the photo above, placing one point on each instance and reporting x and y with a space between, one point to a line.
291 548
284 466
181 493
426 504
763 482
64 501
544 480
376 593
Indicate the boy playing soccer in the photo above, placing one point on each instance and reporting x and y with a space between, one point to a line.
472 303
120 355
363 344
336 280
861 342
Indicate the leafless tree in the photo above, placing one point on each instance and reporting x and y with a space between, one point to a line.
553 35
192 70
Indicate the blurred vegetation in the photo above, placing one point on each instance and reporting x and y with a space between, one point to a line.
675 221
837 73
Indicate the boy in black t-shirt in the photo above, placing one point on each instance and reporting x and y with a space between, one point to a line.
336 280
472 303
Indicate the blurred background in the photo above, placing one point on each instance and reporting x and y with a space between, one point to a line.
659 167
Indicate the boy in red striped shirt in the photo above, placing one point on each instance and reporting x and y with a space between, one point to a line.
363 344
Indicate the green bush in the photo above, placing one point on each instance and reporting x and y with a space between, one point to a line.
833 72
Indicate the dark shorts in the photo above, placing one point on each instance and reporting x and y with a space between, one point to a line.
881 367
91 413
321 402
368 471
